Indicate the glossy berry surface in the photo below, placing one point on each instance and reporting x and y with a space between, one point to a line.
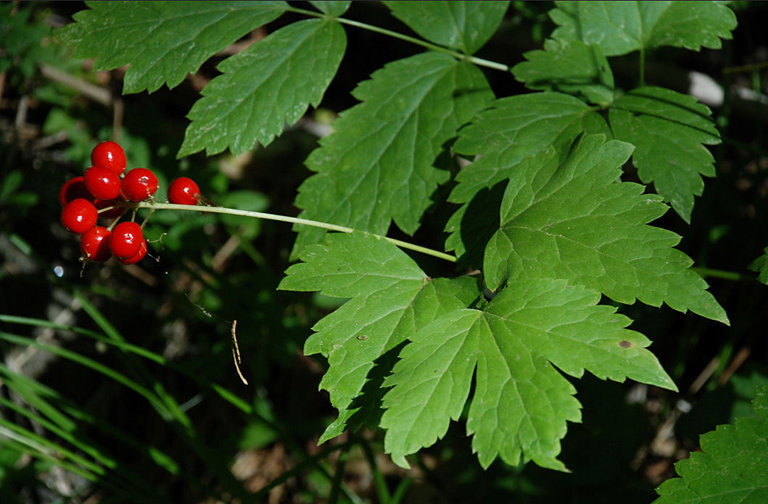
79 215
126 241
109 155
94 244
138 256
138 184
102 183
183 191
72 189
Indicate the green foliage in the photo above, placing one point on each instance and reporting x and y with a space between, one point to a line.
623 27
543 210
730 468
465 26
161 41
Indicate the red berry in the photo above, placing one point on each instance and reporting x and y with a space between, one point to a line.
94 244
126 241
138 184
138 256
102 183
183 191
72 189
79 215
109 155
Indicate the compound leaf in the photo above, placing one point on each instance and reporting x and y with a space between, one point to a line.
621 27
731 466
574 68
378 165
521 402
390 296
161 41
264 87
575 220
461 25
668 130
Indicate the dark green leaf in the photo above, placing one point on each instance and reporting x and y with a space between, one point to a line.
459 25
332 8
264 87
668 130
161 41
574 68
620 27
378 166
731 466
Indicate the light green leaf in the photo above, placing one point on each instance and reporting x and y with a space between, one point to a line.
575 220
390 296
500 138
574 68
461 25
521 402
264 87
379 163
161 41
621 27
332 7
668 130
731 466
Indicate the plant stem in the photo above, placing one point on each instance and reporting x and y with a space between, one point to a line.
292 220
434 47
726 275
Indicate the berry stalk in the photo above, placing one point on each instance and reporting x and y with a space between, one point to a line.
292 220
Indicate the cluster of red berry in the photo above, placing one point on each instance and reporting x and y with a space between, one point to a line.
105 190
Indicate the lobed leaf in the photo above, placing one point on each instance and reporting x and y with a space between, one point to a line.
390 296
760 266
161 41
378 166
575 68
730 468
264 87
462 25
521 402
575 220
620 27
668 130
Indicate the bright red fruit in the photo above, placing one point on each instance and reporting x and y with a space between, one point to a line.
109 155
102 183
94 244
183 191
79 215
126 241
138 184
72 189
138 256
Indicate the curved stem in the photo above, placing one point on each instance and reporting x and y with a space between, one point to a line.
292 220
434 47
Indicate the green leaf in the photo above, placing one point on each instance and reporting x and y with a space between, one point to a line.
521 402
264 87
500 138
378 166
668 130
574 68
731 466
161 41
461 25
760 266
390 296
331 7
621 27
575 220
